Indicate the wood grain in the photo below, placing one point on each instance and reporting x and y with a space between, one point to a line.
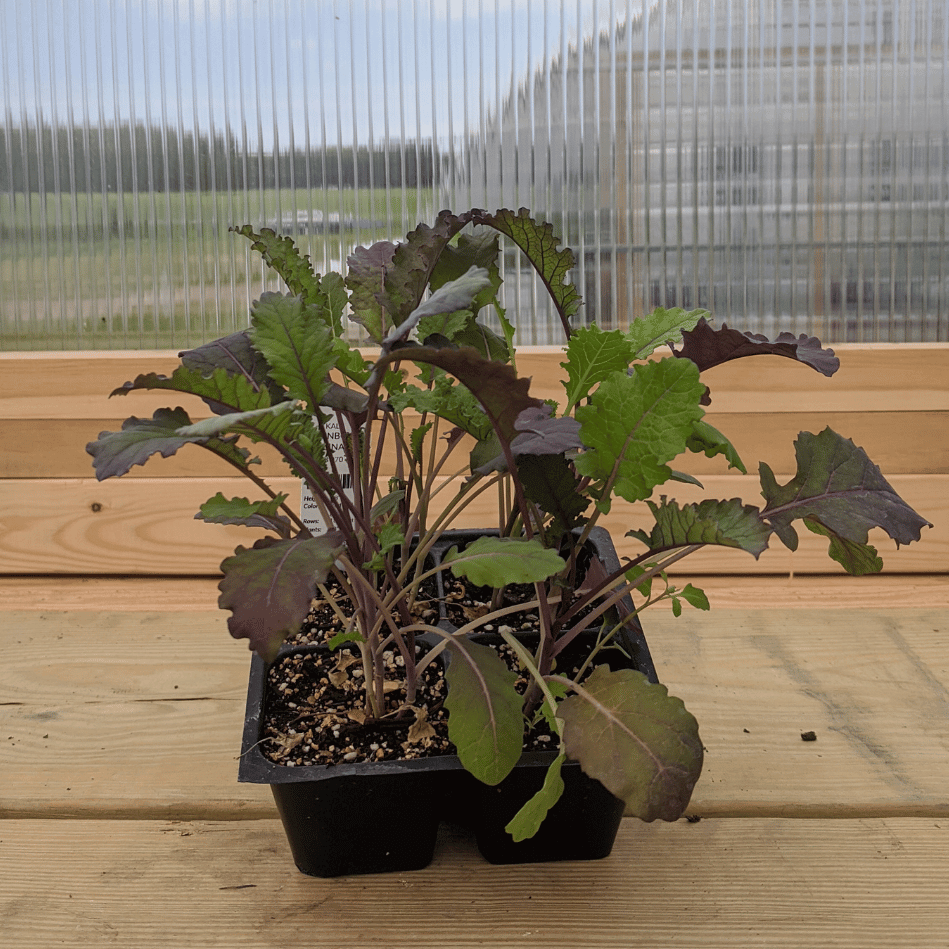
885 376
136 526
720 883
133 712
900 442
129 704
894 401
54 519
184 594
56 448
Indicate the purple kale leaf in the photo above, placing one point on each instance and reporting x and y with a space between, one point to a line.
115 453
543 434
450 297
226 392
708 347
840 489
722 523
269 587
282 255
857 559
414 260
478 250
365 280
387 281
502 394
635 738
237 357
539 244
233 353
552 484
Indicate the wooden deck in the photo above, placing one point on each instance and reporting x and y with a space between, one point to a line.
121 704
122 823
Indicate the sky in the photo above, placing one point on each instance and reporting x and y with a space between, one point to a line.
325 70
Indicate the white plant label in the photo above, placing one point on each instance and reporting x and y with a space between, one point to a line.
309 511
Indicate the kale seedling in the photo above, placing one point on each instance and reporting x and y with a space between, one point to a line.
436 417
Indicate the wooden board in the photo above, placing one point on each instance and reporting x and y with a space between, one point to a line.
873 687
116 713
892 400
899 442
183 594
124 713
908 376
138 526
719 883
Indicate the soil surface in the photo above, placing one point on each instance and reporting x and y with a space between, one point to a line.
314 700
314 711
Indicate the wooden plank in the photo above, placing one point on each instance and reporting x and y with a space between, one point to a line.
872 377
873 686
56 448
129 714
719 883
900 442
135 759
42 384
151 594
184 594
141 526
124 713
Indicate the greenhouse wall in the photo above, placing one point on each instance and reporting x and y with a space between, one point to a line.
782 163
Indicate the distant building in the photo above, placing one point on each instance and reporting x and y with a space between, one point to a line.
787 167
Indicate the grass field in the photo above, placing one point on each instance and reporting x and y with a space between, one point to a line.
147 210
95 271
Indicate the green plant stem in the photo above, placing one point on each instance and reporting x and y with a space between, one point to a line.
454 507
604 640
373 479
430 490
620 573
433 468
322 494
368 648
348 622
426 485
470 627
412 481
519 498
406 648
373 386
566 638
537 679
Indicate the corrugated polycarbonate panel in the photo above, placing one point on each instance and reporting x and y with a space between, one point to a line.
782 163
